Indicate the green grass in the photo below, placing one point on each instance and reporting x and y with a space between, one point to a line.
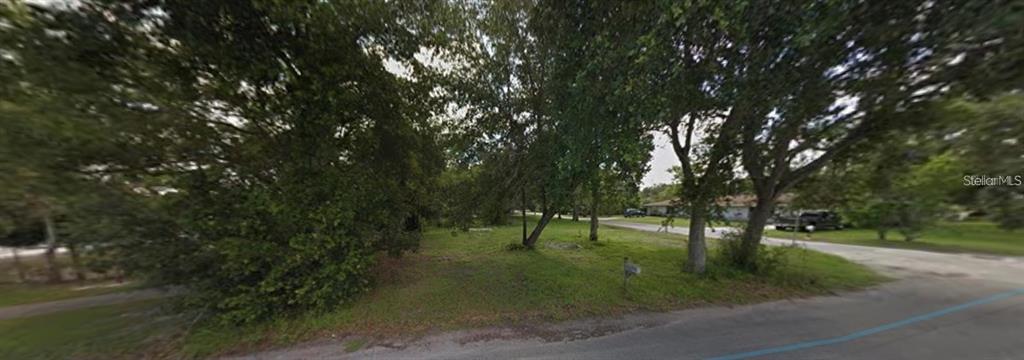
957 237
456 280
17 294
653 220
105 332
679 222
469 280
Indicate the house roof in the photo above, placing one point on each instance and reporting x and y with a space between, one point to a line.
738 200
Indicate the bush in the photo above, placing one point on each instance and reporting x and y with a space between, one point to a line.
769 259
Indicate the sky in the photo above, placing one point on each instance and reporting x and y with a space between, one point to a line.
662 159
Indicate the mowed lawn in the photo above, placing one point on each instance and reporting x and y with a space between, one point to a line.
456 280
679 222
468 279
972 237
122 331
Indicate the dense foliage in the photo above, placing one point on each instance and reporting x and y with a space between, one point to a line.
262 154
281 150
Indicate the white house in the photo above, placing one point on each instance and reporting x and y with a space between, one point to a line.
662 208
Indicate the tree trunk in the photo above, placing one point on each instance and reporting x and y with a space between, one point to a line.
18 265
575 209
881 234
595 201
76 263
51 250
696 258
544 219
755 231
524 215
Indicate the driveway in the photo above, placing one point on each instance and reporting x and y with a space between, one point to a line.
943 306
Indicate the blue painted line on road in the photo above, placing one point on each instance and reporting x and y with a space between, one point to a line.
871 331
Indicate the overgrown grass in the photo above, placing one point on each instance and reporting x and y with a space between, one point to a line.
17 294
105 332
460 280
974 236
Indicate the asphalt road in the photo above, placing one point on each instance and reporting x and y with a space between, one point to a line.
943 306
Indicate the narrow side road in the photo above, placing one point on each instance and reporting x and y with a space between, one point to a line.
943 306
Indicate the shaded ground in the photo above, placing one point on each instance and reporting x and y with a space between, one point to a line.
469 281
127 330
946 306
456 281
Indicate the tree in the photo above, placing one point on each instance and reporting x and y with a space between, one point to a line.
903 190
658 192
677 64
778 89
537 96
990 135
287 151
806 83
15 232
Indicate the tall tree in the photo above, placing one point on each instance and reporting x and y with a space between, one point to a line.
537 92
16 232
989 134
677 62
825 77
287 147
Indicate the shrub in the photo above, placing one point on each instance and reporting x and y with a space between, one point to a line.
769 258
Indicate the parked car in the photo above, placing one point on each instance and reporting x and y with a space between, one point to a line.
820 220
634 213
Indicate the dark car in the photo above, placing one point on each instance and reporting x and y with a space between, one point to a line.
634 213
820 220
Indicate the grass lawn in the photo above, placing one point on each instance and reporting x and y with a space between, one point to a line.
974 236
654 220
105 332
460 280
679 222
456 280
17 294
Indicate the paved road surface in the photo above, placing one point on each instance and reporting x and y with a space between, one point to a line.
944 306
